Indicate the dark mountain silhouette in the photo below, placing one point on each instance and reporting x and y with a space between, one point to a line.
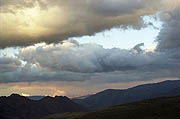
158 108
174 92
19 107
113 97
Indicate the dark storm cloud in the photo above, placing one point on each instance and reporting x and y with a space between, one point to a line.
169 36
41 76
11 6
69 18
137 48
9 64
105 7
71 61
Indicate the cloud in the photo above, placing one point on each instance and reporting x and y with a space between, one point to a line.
27 22
70 61
9 64
137 48
9 6
90 65
86 58
169 37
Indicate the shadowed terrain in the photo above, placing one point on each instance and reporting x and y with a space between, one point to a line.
159 108
19 107
112 97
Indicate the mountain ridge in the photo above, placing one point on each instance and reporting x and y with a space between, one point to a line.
111 97
20 107
157 108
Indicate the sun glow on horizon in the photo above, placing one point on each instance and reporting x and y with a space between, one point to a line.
26 95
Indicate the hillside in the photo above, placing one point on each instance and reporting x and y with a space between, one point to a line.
113 97
19 107
159 108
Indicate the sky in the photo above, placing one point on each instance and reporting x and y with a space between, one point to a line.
74 48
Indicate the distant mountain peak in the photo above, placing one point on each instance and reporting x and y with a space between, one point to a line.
111 97
62 97
15 95
16 106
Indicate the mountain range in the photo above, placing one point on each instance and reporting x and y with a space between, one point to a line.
112 97
158 108
36 107
19 107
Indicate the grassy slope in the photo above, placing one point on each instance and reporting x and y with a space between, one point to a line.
159 108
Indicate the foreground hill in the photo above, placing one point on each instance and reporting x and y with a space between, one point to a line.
113 97
19 107
159 108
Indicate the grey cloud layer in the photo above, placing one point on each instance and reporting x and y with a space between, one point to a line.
71 61
63 19
87 58
11 6
9 64
169 37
